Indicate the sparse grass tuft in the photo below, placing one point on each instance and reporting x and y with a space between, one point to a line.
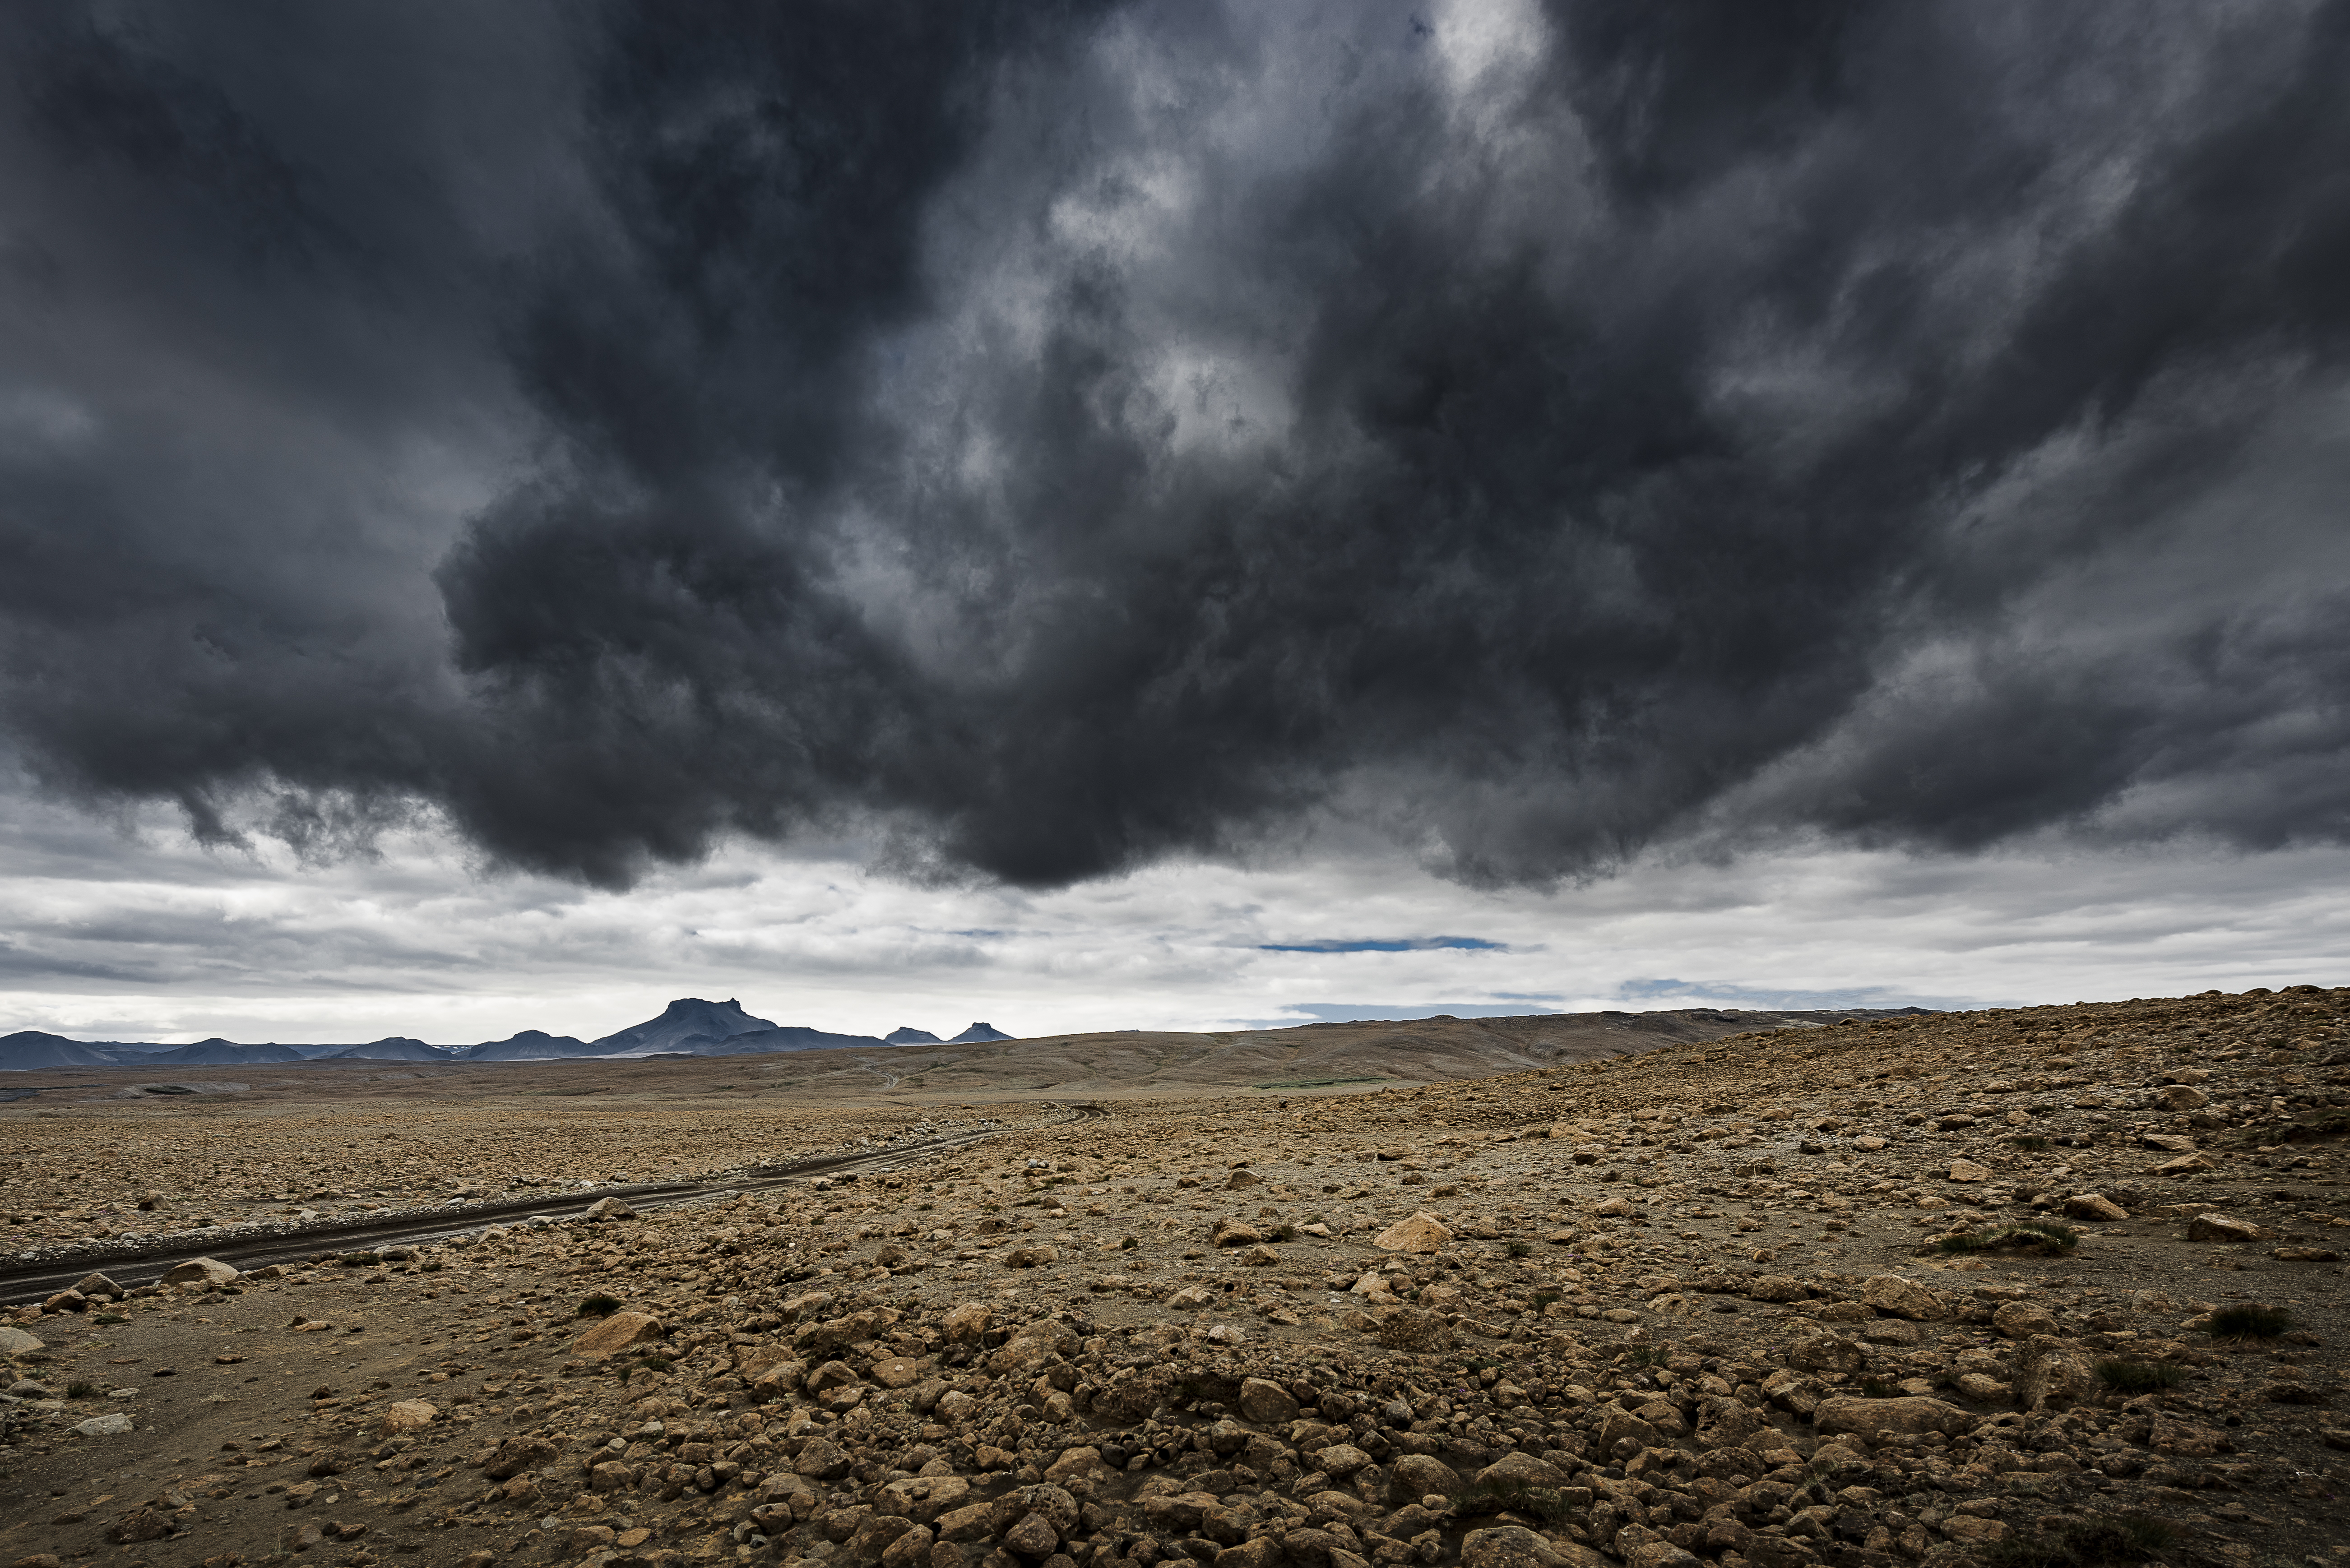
2092 1543
655 1364
2139 1377
1519 1250
1645 1356
1878 1388
109 1317
2251 1321
78 1390
1544 1298
2026 1235
598 1306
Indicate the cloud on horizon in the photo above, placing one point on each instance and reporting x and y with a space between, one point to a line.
1043 441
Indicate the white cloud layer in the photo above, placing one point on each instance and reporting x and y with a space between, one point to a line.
130 932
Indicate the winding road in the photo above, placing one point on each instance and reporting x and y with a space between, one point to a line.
42 1278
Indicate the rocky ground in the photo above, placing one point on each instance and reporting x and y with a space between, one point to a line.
2055 1286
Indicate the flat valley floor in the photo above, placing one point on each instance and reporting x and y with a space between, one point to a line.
2055 1286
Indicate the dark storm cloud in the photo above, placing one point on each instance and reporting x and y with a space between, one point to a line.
1053 437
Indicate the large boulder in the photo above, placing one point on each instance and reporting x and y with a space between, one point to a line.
200 1272
1420 1233
1416 1476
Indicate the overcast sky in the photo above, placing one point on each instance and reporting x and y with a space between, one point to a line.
1110 516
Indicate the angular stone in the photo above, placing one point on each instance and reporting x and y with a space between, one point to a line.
1265 1403
1896 1297
1825 1352
2052 1374
621 1331
1515 1546
200 1272
1234 1232
407 1415
1876 1419
898 1370
1420 1233
16 1342
96 1286
1416 1476
965 1325
2226 1228
1968 1170
1777 1288
822 1461
1340 1460
1521 1469
2022 1320
2183 1097
1723 1422
2185 1165
113 1425
2093 1205
609 1209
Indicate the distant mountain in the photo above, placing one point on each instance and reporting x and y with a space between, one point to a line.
911 1037
979 1035
219 1053
29 1048
680 1023
530 1046
397 1048
760 1041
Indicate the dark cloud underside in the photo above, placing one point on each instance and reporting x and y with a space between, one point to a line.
1055 437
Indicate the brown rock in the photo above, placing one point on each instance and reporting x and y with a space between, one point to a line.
913 1548
2093 1205
2022 1320
408 1416
2052 1374
2226 1228
200 1272
1883 1417
1896 1297
621 1331
1415 1476
1421 1233
1521 1469
898 1370
1825 1352
1265 1404
1968 1170
822 1461
1236 1233
965 1325
1515 1546
1777 1288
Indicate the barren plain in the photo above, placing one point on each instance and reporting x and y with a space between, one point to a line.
2055 1286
